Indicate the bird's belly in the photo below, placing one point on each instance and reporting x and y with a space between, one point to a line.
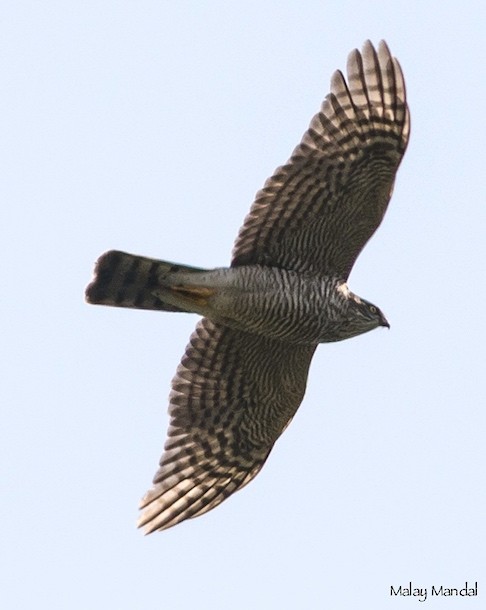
279 304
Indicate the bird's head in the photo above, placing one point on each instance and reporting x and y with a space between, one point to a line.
361 315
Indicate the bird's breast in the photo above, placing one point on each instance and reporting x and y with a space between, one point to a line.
278 303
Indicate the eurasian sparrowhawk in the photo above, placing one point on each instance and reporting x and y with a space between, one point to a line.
244 372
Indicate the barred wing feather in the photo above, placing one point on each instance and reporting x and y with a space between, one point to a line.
316 213
232 396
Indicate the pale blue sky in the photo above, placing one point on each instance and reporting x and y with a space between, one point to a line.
148 126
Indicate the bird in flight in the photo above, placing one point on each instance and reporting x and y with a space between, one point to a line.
244 371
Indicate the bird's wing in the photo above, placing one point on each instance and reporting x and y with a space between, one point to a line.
232 396
317 212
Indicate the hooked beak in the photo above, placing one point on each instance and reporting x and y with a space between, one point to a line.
384 322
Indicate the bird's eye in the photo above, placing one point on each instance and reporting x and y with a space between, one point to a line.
372 309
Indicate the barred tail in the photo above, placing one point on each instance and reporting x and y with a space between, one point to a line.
127 280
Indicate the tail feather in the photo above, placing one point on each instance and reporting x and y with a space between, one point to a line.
127 280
